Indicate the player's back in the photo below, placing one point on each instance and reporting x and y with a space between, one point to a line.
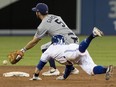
55 25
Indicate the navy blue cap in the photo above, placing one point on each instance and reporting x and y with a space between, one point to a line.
41 7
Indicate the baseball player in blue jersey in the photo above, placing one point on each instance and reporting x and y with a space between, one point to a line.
51 25
72 54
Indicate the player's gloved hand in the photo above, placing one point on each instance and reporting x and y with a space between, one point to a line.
20 56
60 78
15 56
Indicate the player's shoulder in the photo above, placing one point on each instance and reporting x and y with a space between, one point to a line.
53 16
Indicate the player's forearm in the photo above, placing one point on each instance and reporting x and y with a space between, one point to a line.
31 44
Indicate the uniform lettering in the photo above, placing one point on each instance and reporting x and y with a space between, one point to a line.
114 25
113 9
50 19
60 22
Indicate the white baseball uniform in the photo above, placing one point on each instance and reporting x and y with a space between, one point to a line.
67 54
54 25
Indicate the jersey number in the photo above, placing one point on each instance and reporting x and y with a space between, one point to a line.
60 22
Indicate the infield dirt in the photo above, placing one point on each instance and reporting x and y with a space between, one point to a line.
80 80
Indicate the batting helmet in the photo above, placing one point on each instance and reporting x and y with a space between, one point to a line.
58 39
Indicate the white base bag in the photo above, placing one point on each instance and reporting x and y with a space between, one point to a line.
17 74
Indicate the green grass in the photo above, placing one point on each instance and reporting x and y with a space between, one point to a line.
102 49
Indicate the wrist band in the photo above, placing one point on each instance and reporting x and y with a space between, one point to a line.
23 50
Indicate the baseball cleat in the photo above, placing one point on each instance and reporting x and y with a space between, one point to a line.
35 78
109 72
74 72
60 78
51 72
97 32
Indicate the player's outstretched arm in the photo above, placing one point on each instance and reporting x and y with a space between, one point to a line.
15 56
31 43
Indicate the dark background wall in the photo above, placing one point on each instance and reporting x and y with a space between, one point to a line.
99 13
19 15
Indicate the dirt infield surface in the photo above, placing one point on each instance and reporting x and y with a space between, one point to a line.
80 80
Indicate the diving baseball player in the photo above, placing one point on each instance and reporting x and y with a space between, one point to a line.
72 54
51 25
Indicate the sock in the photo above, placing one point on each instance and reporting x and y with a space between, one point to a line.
36 75
67 71
99 70
72 68
85 43
52 63
40 65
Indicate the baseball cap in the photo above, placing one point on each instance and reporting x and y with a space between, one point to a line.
41 7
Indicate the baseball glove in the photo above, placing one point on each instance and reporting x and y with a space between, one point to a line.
15 56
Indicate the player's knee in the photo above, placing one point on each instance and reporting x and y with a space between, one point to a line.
89 71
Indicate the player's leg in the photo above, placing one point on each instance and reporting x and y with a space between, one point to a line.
87 63
38 68
67 72
85 43
102 70
51 61
52 70
71 38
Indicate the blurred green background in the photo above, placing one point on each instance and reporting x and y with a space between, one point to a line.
102 49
